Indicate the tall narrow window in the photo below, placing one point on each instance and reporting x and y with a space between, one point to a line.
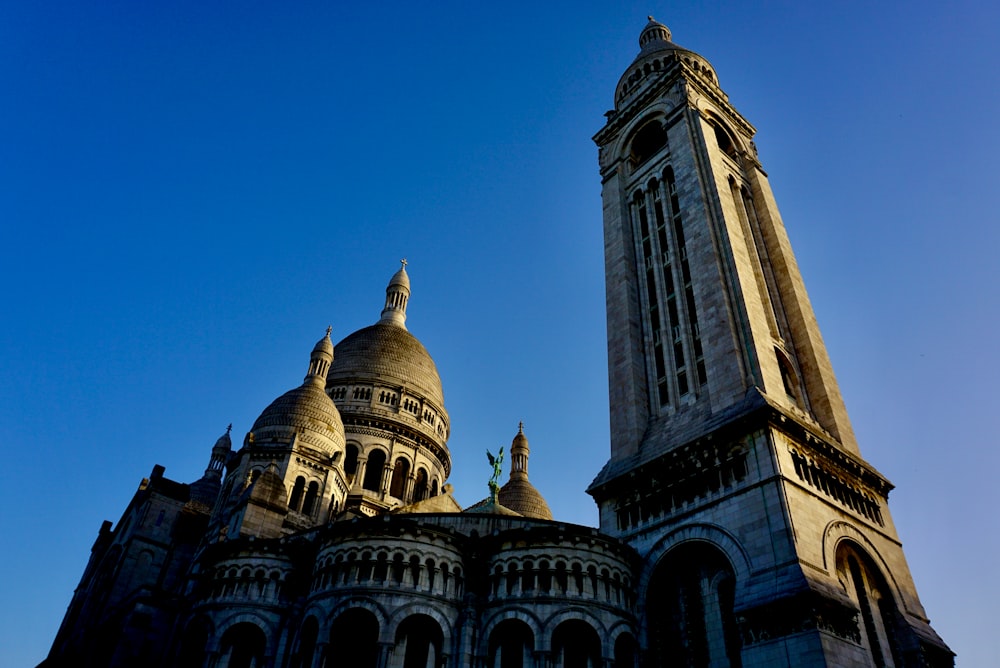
309 504
296 498
690 309
374 470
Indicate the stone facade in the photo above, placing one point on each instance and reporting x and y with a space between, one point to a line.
765 538
739 525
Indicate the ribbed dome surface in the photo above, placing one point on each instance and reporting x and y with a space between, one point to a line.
521 496
305 407
387 354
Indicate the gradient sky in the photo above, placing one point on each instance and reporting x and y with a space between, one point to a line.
191 192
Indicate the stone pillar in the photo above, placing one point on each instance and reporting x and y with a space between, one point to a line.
384 654
359 473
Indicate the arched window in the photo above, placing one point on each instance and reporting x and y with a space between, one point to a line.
690 609
243 646
880 620
351 459
400 471
354 638
373 470
420 486
419 641
725 140
295 500
434 488
789 380
309 505
625 654
575 644
647 142
511 645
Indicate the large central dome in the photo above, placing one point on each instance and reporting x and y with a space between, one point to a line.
392 355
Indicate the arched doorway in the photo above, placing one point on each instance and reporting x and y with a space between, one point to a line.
243 647
354 640
511 645
419 643
625 651
689 609
575 644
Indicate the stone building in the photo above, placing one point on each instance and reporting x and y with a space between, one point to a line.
739 525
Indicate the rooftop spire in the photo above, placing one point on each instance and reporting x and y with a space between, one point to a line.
320 360
397 293
519 454
654 31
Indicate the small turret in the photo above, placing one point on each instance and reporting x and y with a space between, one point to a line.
320 360
397 293
519 452
206 490
519 494
220 455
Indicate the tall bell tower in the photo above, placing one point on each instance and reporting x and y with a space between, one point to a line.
734 471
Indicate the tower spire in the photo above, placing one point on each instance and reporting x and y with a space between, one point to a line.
220 453
519 452
397 294
320 360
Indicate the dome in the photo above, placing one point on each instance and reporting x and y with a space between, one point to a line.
304 408
521 496
400 278
387 353
656 49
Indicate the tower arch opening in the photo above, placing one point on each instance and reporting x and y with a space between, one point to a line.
689 608
647 142
879 619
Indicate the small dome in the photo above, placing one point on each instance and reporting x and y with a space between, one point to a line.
521 496
306 413
654 36
387 354
302 410
224 442
656 51
400 278
324 345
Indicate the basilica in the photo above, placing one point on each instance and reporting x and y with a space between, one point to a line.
739 523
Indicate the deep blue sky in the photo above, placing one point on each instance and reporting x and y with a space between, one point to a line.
190 194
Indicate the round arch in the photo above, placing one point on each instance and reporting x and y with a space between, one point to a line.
689 607
327 618
708 533
518 613
400 615
574 613
837 533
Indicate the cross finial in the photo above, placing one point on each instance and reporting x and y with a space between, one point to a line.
404 262
329 328
520 427
229 428
650 18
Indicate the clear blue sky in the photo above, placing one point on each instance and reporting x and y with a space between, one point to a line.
191 192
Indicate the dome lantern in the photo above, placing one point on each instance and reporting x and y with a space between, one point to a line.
397 293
